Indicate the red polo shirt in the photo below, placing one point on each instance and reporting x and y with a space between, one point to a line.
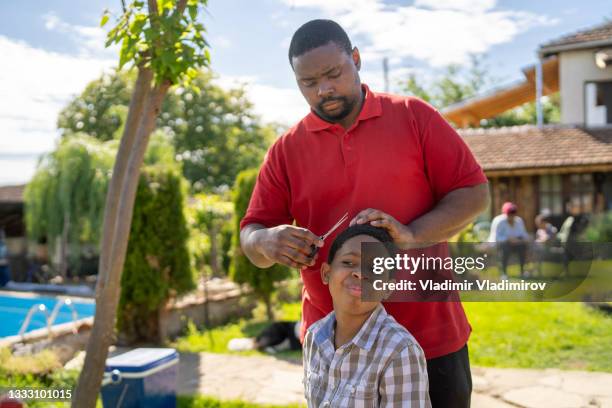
401 157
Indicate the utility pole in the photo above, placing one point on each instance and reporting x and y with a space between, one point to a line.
386 73
539 115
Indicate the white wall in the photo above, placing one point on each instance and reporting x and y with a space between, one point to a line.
576 68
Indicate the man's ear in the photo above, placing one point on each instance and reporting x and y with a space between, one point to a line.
325 271
356 58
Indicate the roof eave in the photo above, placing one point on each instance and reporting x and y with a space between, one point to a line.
546 51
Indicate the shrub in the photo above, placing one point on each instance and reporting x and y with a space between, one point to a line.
600 229
242 270
157 263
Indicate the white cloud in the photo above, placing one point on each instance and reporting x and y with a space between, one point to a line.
273 104
437 32
220 41
463 5
35 84
330 6
90 40
17 170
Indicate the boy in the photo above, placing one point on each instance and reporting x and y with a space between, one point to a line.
358 355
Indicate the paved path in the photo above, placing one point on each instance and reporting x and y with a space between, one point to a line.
266 379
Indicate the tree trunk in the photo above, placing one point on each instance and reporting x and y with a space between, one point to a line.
63 253
143 112
268 302
214 249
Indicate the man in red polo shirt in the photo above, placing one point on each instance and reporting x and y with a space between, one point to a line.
388 160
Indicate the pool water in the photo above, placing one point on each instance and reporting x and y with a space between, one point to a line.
14 309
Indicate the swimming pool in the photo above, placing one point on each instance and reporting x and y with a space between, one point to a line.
14 309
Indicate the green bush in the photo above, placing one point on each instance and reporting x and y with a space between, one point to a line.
600 229
157 264
185 401
241 269
209 215
41 370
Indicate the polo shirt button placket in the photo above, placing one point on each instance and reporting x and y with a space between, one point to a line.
348 146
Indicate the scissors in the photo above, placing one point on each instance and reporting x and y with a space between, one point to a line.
314 248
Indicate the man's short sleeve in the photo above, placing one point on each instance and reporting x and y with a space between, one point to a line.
449 163
269 204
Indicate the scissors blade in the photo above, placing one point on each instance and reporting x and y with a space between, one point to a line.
336 225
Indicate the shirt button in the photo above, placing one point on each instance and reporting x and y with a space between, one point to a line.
353 389
325 404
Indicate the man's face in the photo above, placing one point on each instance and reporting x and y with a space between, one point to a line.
329 80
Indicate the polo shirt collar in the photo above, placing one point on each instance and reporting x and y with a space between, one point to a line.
370 109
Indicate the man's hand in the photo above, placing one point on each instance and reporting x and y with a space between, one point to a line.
402 234
285 244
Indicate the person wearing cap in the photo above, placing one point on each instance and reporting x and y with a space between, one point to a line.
508 231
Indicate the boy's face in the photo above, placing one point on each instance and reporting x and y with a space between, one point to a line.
344 277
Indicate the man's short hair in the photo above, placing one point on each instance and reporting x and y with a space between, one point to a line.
378 233
317 33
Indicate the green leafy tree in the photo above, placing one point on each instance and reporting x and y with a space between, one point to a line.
457 84
527 114
217 135
166 46
215 132
241 269
100 110
65 196
64 203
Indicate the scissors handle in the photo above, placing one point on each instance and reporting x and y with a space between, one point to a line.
314 249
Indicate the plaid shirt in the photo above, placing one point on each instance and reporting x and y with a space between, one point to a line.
382 366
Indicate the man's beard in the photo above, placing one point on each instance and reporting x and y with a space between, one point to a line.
346 110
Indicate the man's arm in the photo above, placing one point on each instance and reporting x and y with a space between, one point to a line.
456 210
453 213
285 244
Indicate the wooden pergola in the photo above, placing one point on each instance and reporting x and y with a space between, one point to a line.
471 111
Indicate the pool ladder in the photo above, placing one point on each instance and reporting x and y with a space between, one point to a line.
50 319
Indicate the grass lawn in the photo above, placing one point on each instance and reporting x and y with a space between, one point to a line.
215 340
540 335
528 335
210 402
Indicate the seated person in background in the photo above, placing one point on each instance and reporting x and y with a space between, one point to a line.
508 231
358 355
545 232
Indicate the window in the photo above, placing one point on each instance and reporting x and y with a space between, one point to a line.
581 190
598 103
551 193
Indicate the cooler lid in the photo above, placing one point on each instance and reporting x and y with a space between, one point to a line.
140 359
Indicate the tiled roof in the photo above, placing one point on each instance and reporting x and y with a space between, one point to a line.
11 194
601 32
526 147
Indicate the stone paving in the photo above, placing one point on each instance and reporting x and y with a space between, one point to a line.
270 380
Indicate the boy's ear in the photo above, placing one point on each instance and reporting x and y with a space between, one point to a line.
325 271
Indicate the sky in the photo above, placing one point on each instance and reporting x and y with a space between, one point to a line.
50 50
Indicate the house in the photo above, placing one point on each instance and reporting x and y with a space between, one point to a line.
554 167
